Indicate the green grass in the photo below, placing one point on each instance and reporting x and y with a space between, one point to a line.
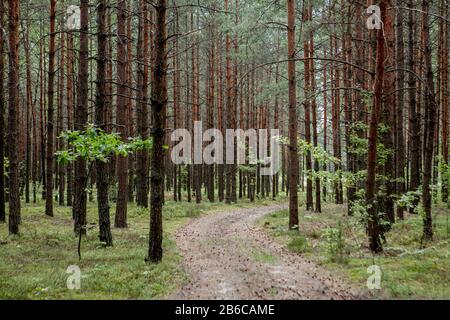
408 270
260 255
33 265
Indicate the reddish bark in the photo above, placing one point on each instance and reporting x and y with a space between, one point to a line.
293 155
13 119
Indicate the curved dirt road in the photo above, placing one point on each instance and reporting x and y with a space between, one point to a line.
228 257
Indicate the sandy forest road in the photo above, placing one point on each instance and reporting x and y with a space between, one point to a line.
228 257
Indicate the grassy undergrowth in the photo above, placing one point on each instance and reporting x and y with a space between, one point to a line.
410 269
33 265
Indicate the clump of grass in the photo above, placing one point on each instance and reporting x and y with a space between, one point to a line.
193 211
298 242
263 256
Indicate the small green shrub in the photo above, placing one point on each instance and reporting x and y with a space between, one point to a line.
193 211
335 244
298 244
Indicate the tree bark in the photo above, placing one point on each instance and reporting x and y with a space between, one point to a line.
307 105
69 108
159 104
430 117
50 113
100 120
2 114
80 121
373 219
122 121
293 147
13 119
142 162
399 138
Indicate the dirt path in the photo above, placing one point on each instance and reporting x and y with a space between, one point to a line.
228 257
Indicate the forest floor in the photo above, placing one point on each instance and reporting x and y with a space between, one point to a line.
33 265
214 250
409 268
228 257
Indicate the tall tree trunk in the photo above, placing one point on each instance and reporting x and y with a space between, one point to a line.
159 105
235 104
318 207
210 174
142 179
130 106
325 122
80 121
348 110
445 101
373 219
69 108
176 107
61 168
13 119
430 117
50 112
100 120
293 155
387 117
307 104
399 139
220 167
2 113
29 100
414 115
196 168
42 108
229 113
122 121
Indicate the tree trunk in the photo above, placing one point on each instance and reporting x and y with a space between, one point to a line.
399 139
318 207
430 117
50 112
229 113
100 120
60 125
373 220
293 155
414 116
80 121
2 114
307 104
122 121
29 100
159 103
387 118
69 108
220 167
13 119
142 179
444 102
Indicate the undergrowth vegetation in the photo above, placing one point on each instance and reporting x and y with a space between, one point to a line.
33 265
410 268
